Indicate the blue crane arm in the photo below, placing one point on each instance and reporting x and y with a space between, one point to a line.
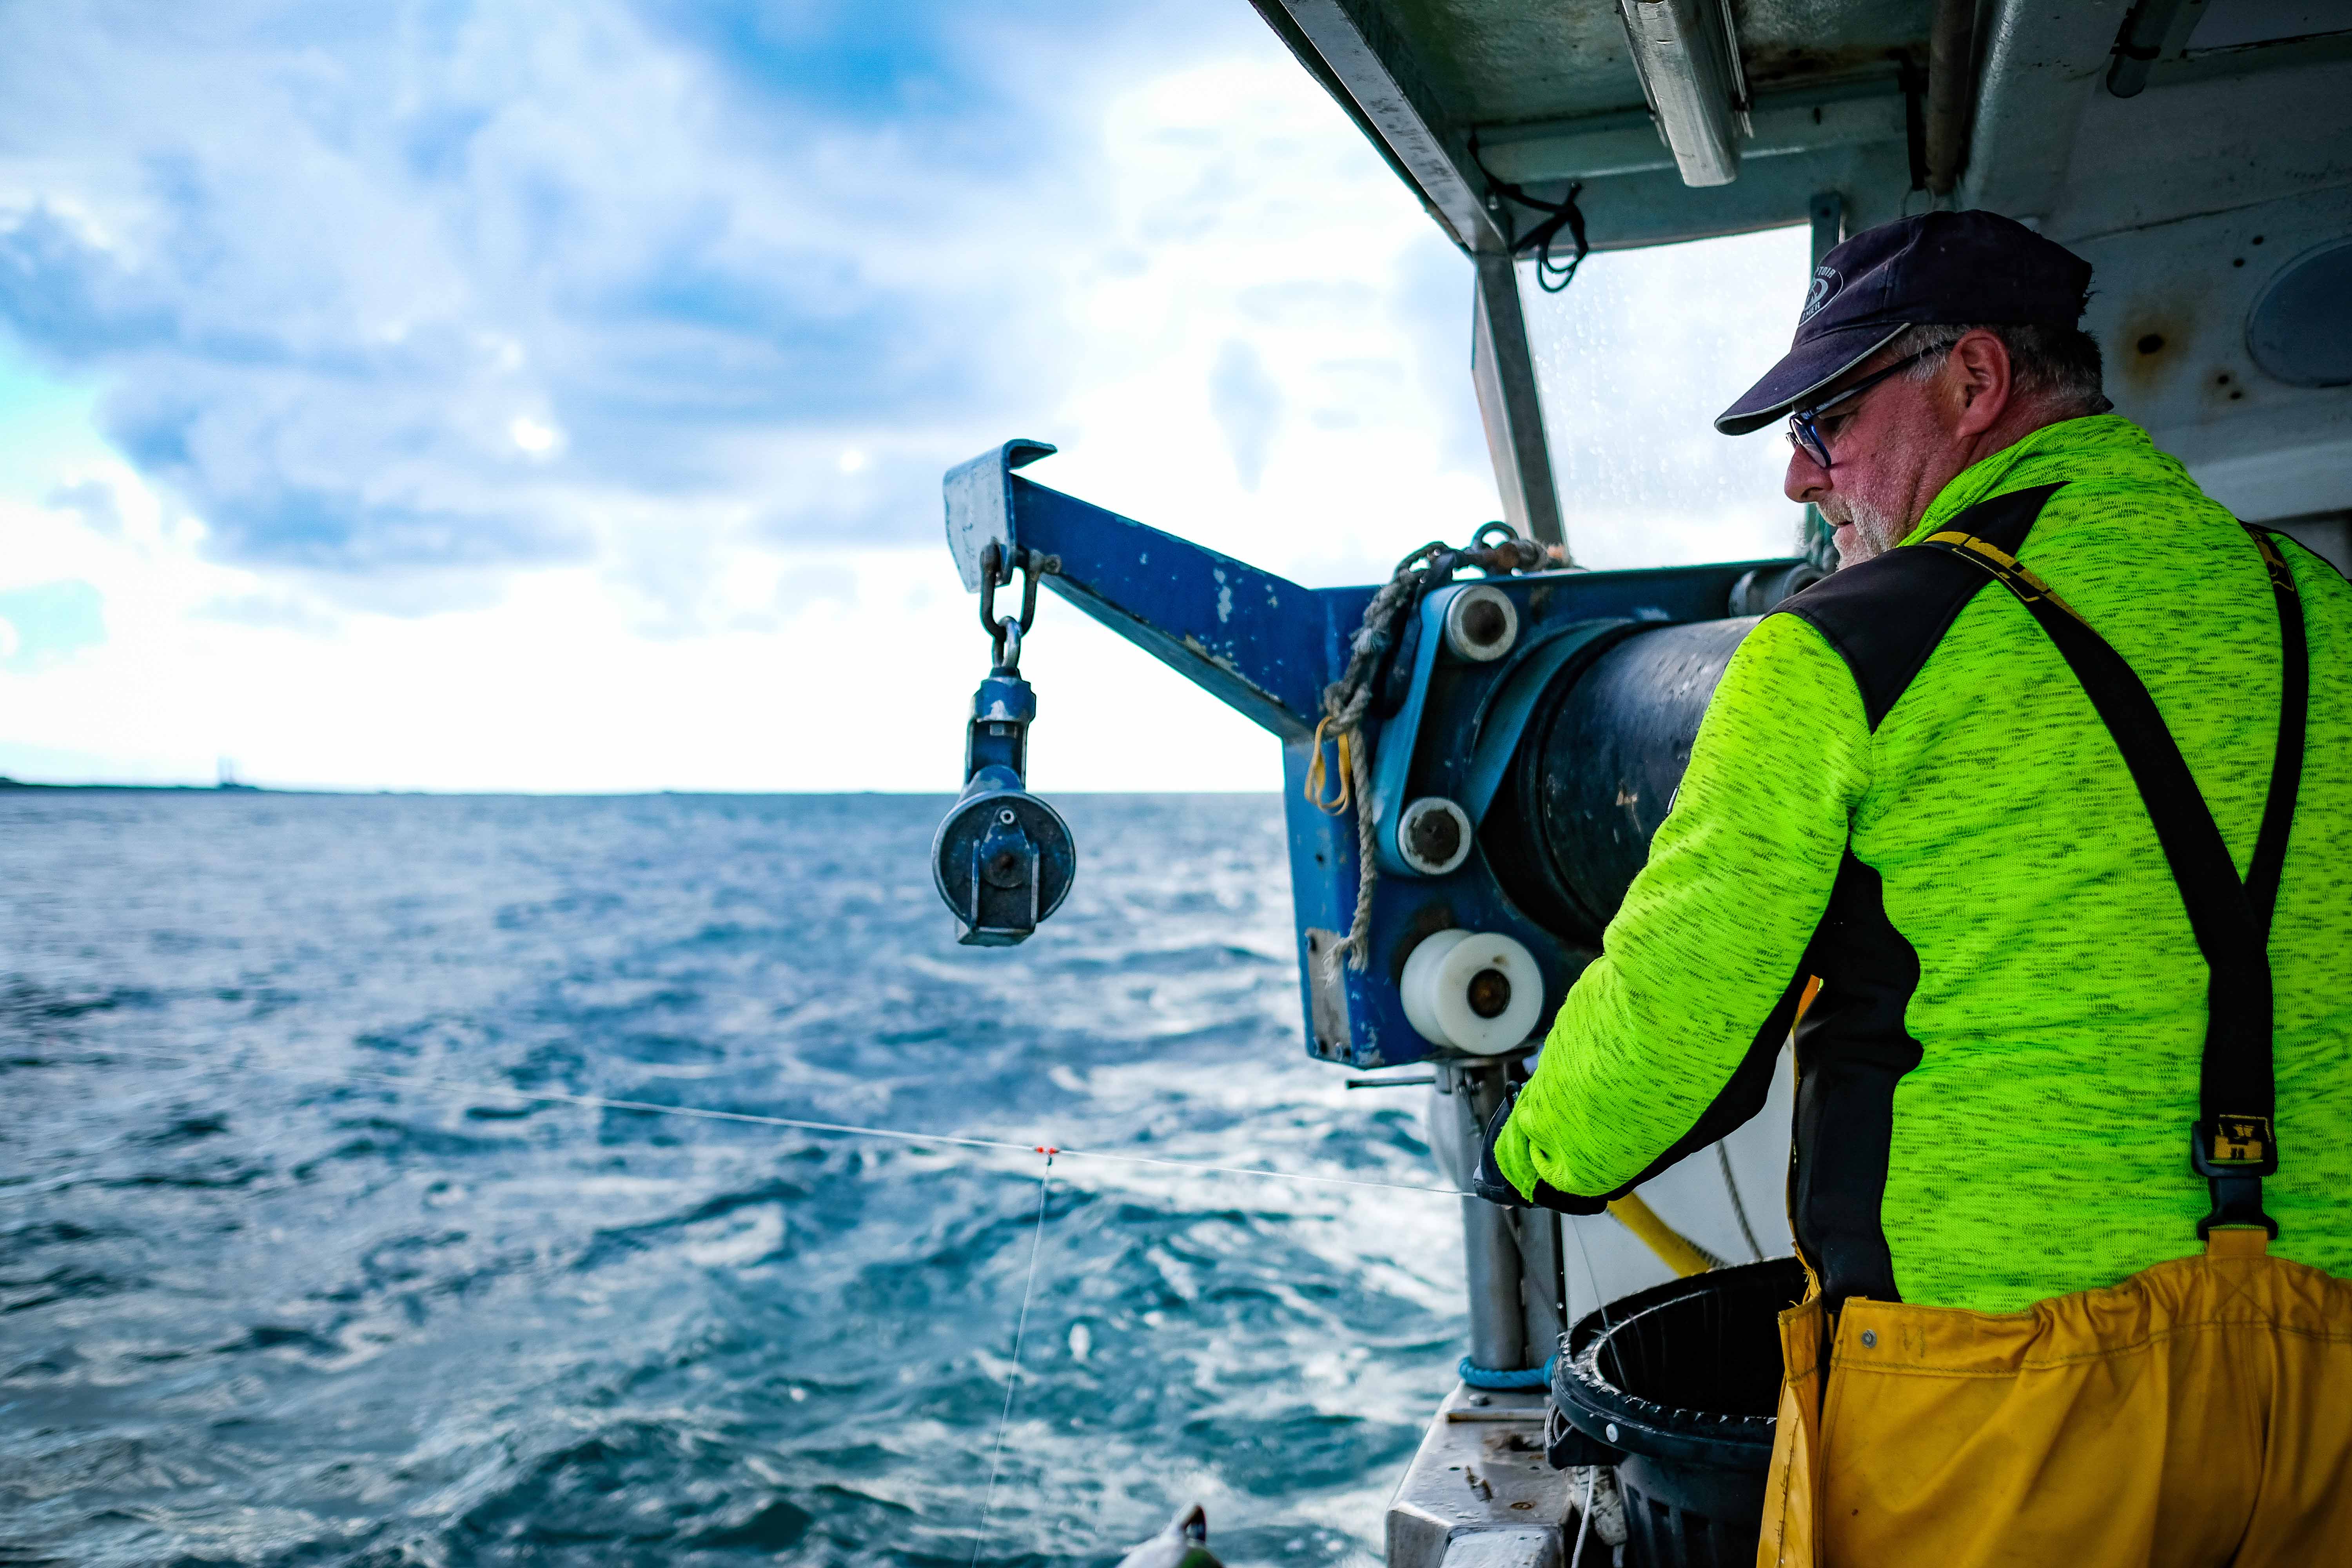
1451 732
1257 642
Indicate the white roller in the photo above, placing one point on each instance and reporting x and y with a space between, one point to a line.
1420 998
1437 990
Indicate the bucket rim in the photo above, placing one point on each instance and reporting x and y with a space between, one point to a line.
1592 1404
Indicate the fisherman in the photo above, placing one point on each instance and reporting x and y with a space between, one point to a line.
1938 807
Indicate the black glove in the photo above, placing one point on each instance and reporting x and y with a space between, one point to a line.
1491 1184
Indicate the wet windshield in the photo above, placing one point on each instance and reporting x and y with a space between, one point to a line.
1635 358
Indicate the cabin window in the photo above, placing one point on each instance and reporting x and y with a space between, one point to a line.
1634 359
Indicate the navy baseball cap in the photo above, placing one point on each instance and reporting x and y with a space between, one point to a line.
1973 267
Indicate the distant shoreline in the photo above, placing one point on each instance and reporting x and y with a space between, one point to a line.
6 784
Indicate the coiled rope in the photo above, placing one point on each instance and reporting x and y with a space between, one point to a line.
1501 1380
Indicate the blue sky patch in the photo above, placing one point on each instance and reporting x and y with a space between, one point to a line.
322 267
47 625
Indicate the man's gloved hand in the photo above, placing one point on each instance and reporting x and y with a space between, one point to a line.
1491 1184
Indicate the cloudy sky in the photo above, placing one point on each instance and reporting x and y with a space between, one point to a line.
553 395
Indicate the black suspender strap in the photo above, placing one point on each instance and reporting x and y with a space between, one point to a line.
2233 1143
2287 766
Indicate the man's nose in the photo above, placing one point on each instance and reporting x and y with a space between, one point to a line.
1806 480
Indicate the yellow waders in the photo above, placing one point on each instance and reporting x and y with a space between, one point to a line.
2198 1414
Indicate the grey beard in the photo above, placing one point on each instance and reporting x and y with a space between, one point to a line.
1878 532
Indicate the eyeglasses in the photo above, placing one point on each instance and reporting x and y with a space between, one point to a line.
1805 435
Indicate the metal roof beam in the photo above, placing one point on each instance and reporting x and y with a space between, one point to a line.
2043 62
1349 45
1688 56
1510 402
1952 39
1856 110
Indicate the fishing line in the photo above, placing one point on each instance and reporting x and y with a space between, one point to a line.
1037 1231
1591 1472
1584 1516
1590 1273
1012 1381
597 1102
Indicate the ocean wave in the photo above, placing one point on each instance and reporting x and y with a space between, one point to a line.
265 1308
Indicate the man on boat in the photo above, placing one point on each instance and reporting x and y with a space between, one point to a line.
2038 813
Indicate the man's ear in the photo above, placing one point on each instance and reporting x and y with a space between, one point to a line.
1981 382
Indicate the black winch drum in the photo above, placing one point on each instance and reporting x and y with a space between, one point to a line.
1683 1380
1599 763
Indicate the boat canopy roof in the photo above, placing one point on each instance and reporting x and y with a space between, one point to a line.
2197 152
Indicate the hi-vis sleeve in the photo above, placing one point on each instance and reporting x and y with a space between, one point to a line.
1668 1041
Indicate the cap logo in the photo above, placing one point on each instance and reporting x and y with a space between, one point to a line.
1825 285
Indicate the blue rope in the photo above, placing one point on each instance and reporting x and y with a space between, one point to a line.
1477 1376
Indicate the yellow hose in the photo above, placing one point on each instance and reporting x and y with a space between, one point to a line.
1676 1250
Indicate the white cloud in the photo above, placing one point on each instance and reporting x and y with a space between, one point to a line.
551 399
533 436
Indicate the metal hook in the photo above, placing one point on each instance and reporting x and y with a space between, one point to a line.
1029 575
991 573
994 573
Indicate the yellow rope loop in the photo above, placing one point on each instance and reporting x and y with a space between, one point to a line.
1337 804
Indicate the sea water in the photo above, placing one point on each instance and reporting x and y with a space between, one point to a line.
259 1305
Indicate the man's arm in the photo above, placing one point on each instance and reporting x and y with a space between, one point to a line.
1667 1042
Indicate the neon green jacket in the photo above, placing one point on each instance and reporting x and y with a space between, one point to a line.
2037 1137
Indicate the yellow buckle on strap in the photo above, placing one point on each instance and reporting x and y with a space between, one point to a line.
2240 1141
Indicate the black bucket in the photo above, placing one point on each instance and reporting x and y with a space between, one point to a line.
1683 1380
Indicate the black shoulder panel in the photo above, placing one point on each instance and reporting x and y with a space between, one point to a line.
1853 1048
1885 615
